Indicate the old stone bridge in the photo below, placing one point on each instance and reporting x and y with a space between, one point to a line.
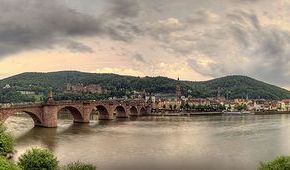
45 114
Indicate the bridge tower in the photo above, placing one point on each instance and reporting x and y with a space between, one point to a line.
178 90
50 97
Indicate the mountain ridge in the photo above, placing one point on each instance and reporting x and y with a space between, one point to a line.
232 86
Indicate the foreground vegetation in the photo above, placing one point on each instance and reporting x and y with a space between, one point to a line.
119 86
79 166
33 159
279 163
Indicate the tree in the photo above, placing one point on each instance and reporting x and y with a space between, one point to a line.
34 98
279 163
7 141
187 106
229 108
220 108
35 159
7 165
181 107
241 107
193 107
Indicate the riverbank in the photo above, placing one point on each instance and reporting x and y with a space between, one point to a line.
271 112
187 114
217 113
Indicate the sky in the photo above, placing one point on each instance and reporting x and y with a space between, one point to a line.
193 39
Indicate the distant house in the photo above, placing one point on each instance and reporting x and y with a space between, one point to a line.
284 105
27 92
81 88
7 86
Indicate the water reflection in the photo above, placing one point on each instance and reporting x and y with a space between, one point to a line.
46 137
201 142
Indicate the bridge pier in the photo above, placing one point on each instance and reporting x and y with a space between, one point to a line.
86 112
49 116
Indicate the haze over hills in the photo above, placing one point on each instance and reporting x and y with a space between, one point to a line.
230 86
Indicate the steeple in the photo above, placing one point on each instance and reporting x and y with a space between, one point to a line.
178 89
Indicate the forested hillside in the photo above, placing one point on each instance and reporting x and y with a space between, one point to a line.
230 86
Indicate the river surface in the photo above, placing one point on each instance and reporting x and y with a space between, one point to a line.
203 142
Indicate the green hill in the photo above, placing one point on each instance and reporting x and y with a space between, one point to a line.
118 85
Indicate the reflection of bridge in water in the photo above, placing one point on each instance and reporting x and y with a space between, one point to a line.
45 114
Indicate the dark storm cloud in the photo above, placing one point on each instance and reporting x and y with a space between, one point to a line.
77 47
119 20
36 24
122 30
124 8
40 24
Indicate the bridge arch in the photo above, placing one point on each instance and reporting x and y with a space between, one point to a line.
120 111
103 112
133 111
77 116
142 111
36 119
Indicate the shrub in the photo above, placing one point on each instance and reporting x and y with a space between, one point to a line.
279 163
36 159
7 165
6 141
79 166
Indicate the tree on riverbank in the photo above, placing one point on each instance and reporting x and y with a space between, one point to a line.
7 141
35 159
279 163
7 165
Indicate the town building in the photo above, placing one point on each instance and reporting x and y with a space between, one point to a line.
81 88
7 86
27 92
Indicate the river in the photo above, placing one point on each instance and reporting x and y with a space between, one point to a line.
202 142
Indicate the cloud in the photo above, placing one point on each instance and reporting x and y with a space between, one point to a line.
243 46
233 42
139 58
123 9
78 47
40 24
33 24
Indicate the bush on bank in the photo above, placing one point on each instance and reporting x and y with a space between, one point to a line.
36 159
7 165
6 141
79 166
279 163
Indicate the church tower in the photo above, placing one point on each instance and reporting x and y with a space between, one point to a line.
178 90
